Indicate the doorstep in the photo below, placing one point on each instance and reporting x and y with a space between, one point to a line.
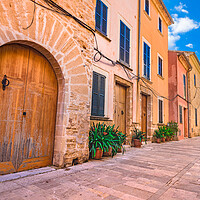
14 176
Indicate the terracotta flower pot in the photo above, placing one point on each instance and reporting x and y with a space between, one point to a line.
137 143
108 153
158 140
99 154
119 150
163 139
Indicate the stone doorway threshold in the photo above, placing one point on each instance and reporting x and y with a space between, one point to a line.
10 177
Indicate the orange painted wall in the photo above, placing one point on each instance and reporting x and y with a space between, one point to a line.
159 45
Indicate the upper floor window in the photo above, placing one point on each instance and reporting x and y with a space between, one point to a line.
124 43
160 66
160 24
196 123
180 114
98 94
101 17
160 110
147 6
195 80
184 85
146 61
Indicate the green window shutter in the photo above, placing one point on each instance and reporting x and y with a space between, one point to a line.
101 95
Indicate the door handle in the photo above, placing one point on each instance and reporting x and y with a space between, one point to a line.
5 82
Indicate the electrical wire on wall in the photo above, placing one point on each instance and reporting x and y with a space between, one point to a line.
54 7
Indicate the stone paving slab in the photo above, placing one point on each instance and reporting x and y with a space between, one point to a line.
169 171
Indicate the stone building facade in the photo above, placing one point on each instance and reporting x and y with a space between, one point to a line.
68 47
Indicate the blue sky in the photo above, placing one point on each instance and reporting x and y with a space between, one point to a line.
184 34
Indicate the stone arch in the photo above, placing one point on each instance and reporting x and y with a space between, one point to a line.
54 38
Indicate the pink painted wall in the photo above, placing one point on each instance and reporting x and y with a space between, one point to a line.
127 12
176 72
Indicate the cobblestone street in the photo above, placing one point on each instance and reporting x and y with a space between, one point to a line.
156 171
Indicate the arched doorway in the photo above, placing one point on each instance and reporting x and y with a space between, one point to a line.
27 109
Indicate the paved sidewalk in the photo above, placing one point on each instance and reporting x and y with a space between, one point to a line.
156 171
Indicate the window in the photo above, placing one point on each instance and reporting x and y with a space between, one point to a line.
160 111
160 24
196 124
101 17
146 60
98 94
184 85
160 66
124 43
181 114
195 80
147 6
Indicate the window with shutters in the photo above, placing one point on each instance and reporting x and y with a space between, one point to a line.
160 111
196 124
146 6
146 60
101 17
160 24
160 66
180 114
98 94
124 55
194 80
184 85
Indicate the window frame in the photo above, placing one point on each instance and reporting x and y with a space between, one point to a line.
99 84
160 122
101 17
180 114
159 56
184 85
145 41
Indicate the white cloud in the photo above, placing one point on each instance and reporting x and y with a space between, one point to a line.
180 8
181 25
189 45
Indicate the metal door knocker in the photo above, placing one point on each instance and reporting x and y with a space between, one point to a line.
5 82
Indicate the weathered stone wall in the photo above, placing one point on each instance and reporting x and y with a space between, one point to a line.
69 48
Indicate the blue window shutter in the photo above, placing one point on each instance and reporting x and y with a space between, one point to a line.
124 43
122 40
148 62
160 63
98 15
104 19
95 94
98 94
160 25
194 80
147 6
145 59
101 95
184 85
101 17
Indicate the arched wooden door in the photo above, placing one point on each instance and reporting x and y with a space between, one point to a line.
27 109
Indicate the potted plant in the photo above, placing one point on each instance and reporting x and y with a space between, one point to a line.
96 144
137 138
158 136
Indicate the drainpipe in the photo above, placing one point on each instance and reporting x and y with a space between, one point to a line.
188 104
139 29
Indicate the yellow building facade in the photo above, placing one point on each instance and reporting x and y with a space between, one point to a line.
194 95
152 107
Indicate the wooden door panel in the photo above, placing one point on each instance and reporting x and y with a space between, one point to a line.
144 114
11 104
120 108
40 106
27 110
